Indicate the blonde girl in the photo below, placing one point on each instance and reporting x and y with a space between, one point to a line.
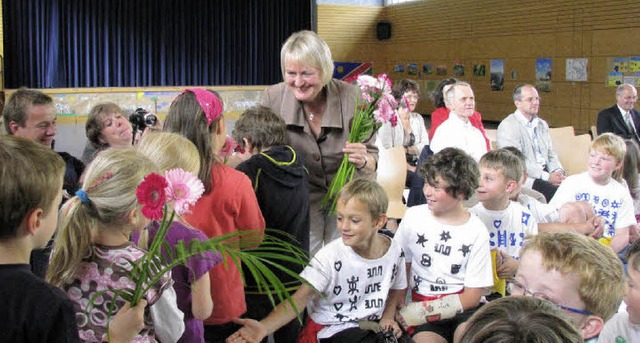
228 204
169 151
92 248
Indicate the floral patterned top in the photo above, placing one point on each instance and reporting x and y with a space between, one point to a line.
103 269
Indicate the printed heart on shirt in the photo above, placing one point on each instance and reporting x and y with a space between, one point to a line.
338 265
337 306
337 289
497 223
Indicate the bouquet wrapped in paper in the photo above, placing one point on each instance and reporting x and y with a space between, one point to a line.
375 106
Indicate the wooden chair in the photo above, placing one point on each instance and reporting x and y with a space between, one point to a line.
565 131
593 131
573 152
492 134
392 174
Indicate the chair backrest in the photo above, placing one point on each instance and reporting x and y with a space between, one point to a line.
593 131
392 174
492 134
573 152
561 131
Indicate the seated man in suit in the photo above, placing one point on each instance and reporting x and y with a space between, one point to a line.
621 119
529 133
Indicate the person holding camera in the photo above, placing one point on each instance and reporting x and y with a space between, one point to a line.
108 127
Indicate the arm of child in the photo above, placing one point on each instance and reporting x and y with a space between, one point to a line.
620 239
201 302
126 324
394 300
507 266
254 331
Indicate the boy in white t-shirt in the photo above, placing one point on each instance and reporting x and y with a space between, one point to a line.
624 327
358 277
508 222
608 197
446 249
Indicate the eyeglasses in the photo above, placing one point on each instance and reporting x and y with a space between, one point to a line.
532 99
516 288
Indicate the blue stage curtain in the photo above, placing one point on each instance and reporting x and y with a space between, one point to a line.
137 43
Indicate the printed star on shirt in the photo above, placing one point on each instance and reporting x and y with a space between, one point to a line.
445 236
421 240
465 250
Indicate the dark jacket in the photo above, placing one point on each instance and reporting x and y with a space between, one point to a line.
610 120
280 181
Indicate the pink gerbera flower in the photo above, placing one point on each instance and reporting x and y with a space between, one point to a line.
229 147
151 195
184 189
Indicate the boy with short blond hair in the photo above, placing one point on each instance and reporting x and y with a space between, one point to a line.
358 277
608 197
578 274
446 249
508 222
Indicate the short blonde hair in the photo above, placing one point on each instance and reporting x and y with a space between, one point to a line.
308 48
505 161
367 191
169 151
598 268
610 144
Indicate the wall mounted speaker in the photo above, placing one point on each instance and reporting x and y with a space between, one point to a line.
383 30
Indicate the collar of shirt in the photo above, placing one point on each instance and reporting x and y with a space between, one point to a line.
459 122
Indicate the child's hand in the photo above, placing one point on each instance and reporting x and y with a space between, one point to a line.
251 332
508 266
390 324
598 224
399 319
127 323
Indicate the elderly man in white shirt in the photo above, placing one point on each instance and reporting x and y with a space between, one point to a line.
529 133
457 131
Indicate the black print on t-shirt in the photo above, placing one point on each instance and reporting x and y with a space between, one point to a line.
455 268
375 271
394 272
465 250
337 265
353 284
440 287
338 306
373 303
374 287
373 317
421 240
337 289
416 282
353 301
425 260
339 316
445 236
443 249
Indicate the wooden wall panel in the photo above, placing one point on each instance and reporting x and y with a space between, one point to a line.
475 31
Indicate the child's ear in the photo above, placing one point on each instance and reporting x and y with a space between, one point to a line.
247 146
33 221
379 223
511 186
591 327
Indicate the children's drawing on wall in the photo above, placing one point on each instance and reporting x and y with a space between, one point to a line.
412 69
441 70
398 68
634 64
620 64
427 69
629 79
458 69
543 74
614 79
577 69
479 70
349 71
497 75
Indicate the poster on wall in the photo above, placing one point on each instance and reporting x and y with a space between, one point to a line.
543 74
441 70
622 70
577 69
497 75
479 70
349 71
398 68
427 69
412 69
458 69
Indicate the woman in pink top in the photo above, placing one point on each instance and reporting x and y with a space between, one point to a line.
441 113
228 204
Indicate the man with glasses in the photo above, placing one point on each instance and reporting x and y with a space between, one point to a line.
622 119
582 277
529 133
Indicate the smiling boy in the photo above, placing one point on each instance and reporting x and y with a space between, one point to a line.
359 276
446 249
609 198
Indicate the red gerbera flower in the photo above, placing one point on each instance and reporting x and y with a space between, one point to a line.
152 195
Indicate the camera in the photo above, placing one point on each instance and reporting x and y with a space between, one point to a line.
141 118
